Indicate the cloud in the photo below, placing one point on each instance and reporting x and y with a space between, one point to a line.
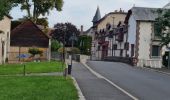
81 12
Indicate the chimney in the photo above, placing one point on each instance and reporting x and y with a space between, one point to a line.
81 30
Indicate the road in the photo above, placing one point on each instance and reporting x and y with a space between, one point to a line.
94 88
142 83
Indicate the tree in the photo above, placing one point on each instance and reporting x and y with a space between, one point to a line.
5 7
55 45
84 44
40 21
60 32
162 26
35 8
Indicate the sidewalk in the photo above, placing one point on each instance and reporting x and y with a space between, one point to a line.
94 88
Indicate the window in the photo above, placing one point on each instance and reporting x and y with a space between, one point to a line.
114 46
157 31
121 53
126 46
155 51
132 50
98 48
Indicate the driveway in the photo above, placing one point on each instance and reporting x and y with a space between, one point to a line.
141 83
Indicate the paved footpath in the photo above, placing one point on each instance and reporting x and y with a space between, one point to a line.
94 88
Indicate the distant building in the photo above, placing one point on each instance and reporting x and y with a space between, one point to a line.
5 30
102 45
28 35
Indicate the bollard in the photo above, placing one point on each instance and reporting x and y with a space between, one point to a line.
69 69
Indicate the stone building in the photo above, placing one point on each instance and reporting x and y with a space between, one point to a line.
102 45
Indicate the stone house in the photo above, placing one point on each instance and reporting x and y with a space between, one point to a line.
5 30
144 44
28 35
102 45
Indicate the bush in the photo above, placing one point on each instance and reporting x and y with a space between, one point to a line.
55 45
74 50
61 50
35 51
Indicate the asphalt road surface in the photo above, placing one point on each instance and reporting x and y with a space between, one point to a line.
94 88
142 83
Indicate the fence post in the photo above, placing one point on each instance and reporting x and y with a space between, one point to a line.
24 70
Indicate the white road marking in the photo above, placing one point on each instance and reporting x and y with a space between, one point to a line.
100 76
81 96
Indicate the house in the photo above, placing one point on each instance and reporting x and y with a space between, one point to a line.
119 41
5 30
28 35
102 45
144 44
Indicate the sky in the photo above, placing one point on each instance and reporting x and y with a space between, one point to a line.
81 12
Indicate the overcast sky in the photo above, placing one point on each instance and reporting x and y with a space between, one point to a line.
81 12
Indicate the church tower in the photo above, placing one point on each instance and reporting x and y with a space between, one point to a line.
97 16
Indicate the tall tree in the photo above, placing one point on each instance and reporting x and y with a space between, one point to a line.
35 8
60 32
5 7
162 26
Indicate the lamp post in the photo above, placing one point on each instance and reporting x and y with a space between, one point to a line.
64 29
113 36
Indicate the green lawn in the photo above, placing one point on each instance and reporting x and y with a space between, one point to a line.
37 88
31 67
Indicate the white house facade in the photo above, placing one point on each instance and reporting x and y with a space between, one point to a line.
143 44
5 28
102 45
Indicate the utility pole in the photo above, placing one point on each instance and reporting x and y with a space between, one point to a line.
113 36
72 45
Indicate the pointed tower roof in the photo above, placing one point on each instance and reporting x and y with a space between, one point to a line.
167 5
97 16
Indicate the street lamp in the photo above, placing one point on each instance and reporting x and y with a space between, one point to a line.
64 29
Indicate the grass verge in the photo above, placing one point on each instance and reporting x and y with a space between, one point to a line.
37 88
31 67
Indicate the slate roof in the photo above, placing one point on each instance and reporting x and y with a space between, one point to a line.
97 16
142 14
145 14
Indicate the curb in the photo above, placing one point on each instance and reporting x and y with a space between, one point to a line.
156 70
113 84
81 96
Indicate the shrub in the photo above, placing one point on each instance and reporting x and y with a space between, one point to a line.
74 50
35 51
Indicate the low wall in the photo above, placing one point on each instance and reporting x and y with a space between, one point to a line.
127 60
153 63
